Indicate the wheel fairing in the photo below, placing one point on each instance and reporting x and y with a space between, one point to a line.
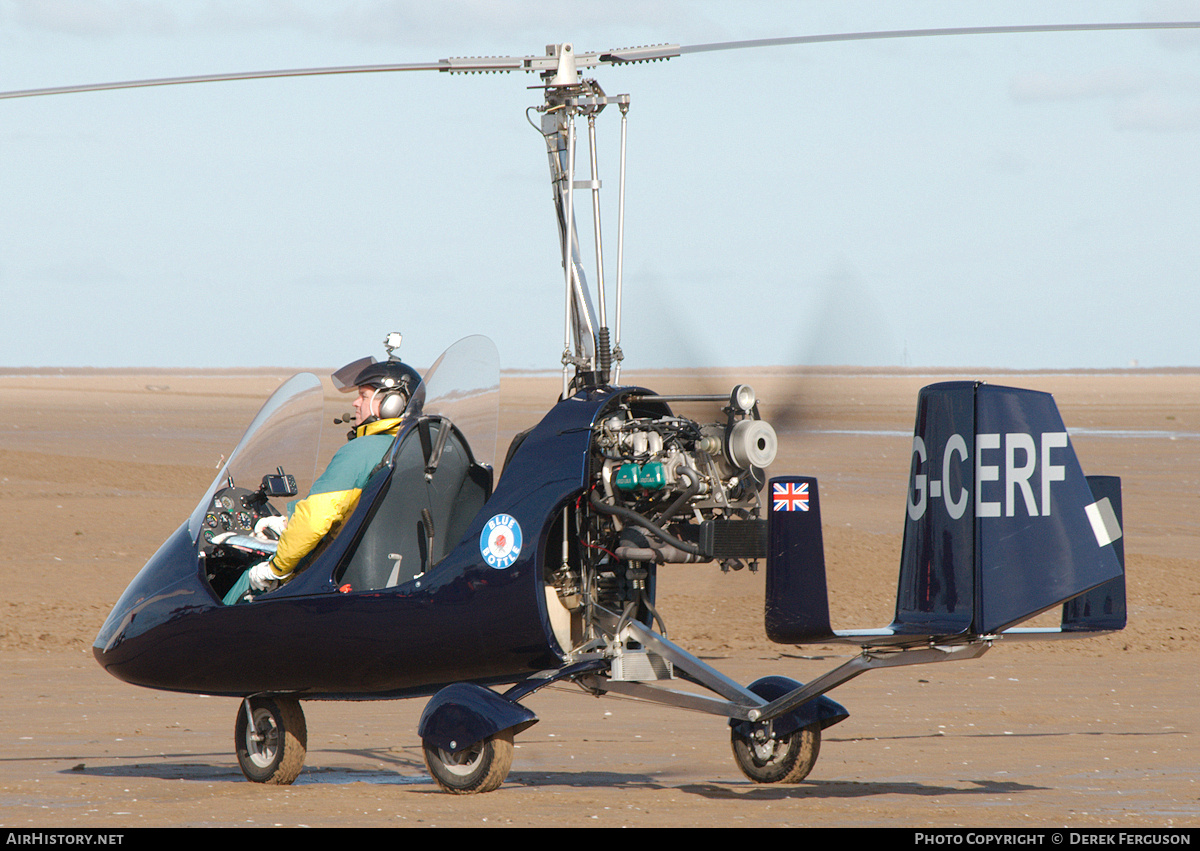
464 714
821 711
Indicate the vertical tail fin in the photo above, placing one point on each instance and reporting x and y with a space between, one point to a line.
797 604
998 506
1001 525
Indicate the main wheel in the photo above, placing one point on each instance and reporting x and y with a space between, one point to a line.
272 748
786 759
479 768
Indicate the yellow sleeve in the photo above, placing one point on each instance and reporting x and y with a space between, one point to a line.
311 520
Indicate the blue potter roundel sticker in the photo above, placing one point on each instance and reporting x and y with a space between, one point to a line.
500 541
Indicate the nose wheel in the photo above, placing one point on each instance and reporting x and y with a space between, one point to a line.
271 739
765 758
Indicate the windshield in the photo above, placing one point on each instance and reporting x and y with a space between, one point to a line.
285 433
463 385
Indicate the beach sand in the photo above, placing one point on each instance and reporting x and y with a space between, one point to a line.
97 468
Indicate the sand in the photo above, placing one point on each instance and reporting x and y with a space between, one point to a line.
97 468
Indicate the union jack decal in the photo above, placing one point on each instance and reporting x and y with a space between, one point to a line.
790 496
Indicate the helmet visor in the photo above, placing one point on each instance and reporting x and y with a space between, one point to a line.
343 379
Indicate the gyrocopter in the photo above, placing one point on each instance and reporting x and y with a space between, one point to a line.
444 581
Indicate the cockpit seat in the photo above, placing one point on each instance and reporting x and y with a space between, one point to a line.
418 520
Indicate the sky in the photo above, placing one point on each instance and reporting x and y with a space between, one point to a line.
1012 201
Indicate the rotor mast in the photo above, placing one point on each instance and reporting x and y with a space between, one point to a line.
591 354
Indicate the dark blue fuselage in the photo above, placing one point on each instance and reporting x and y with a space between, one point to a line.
463 620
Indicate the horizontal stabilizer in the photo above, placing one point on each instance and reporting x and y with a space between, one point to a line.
1001 524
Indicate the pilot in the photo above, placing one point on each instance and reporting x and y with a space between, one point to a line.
384 391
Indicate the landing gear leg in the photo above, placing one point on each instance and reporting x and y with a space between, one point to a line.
271 739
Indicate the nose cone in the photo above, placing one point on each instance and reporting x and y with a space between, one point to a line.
168 586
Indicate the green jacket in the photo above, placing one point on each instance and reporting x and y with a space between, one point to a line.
334 495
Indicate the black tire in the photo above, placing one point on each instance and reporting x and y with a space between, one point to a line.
786 759
272 751
480 768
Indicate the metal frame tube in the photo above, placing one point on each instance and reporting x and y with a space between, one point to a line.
741 703
601 301
567 253
869 661
705 675
617 355
669 697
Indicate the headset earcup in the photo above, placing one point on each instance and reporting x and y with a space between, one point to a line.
392 405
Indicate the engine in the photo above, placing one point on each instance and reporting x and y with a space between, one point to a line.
668 489
662 489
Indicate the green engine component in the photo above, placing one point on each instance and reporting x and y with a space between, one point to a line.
649 476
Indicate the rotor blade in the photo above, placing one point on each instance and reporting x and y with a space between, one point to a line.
453 65
940 31
443 65
621 56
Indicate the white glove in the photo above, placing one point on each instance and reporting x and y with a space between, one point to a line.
275 523
263 577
